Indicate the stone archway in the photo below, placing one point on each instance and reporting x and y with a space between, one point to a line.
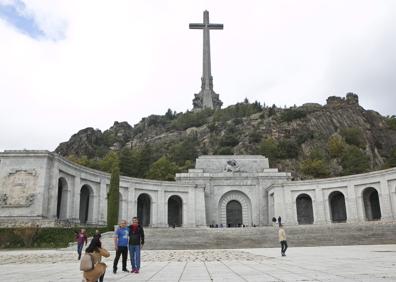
61 205
371 202
304 209
144 209
175 211
337 207
234 213
235 198
86 204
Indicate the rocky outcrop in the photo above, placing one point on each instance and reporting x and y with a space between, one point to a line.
309 126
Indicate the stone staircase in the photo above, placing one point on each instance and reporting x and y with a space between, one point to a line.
262 237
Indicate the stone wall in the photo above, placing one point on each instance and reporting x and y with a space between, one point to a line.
366 197
42 187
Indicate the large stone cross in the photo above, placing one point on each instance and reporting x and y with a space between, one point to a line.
206 98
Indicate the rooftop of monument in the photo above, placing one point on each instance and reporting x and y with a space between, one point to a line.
235 163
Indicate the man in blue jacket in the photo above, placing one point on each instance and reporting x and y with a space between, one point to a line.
121 236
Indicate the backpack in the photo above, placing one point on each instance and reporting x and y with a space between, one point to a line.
87 262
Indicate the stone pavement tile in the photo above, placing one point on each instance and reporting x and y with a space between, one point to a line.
147 271
195 271
218 270
171 272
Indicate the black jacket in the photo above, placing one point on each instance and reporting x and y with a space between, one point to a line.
136 238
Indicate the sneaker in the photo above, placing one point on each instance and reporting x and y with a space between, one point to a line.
133 270
136 271
125 270
114 271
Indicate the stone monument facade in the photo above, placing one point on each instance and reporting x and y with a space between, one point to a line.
207 97
40 187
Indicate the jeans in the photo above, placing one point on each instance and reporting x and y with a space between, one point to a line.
79 249
134 254
283 247
121 250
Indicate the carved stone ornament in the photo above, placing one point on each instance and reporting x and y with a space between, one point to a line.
232 166
19 188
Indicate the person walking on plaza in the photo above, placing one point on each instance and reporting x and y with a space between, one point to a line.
121 236
282 240
136 242
81 238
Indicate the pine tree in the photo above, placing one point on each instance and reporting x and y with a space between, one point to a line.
113 196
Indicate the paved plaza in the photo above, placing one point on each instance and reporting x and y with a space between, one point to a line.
337 263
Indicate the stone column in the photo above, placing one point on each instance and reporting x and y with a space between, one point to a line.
351 204
319 207
191 207
131 203
93 213
279 201
102 220
159 219
52 189
155 211
289 208
360 208
76 199
200 209
385 201
185 214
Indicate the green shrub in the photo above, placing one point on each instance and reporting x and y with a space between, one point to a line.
254 136
113 196
391 161
224 151
32 237
315 167
269 148
287 149
353 136
354 161
191 119
336 146
292 114
391 122
237 111
163 169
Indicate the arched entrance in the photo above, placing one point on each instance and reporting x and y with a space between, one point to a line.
175 211
304 209
234 214
337 207
235 207
143 209
61 205
86 204
371 204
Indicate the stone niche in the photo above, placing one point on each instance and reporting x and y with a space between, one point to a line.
18 188
232 163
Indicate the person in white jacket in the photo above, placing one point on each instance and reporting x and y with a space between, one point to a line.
282 240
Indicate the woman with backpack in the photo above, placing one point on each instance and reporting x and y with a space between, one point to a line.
94 269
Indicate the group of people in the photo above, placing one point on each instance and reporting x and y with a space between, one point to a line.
128 238
125 238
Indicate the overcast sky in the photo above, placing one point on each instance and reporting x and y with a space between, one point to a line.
67 65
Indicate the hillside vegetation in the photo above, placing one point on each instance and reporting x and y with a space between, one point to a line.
311 141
